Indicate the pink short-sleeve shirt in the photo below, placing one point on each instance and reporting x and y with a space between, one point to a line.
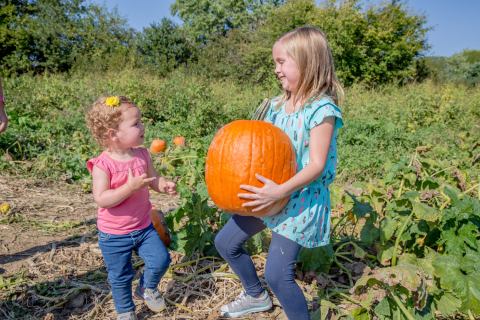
134 212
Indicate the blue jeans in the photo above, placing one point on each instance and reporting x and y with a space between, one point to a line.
117 254
279 270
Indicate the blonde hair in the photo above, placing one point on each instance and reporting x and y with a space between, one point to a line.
100 118
309 48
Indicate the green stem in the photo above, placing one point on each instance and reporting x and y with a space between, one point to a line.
347 297
349 275
344 257
399 303
397 241
400 189
338 223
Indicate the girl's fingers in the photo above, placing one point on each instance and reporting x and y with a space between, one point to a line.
149 179
249 188
262 178
261 207
252 203
248 196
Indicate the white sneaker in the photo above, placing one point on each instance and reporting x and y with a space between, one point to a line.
245 304
127 316
152 298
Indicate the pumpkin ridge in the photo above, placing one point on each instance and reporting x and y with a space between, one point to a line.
274 166
251 159
220 165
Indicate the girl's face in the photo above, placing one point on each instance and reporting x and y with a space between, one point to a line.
286 68
130 131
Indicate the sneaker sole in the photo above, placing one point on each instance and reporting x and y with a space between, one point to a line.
136 295
242 313
156 310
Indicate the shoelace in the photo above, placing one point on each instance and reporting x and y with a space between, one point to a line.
152 295
239 299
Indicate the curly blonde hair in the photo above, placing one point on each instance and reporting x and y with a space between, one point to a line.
101 117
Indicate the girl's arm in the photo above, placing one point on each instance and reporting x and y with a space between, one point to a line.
160 184
107 198
320 138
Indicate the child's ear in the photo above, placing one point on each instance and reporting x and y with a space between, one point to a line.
112 134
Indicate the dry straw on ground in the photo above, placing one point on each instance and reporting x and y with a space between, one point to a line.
51 266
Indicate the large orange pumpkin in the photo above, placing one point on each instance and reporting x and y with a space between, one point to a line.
238 151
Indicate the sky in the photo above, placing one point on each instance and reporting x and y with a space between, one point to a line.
455 23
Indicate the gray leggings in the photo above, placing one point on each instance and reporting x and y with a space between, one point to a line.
279 270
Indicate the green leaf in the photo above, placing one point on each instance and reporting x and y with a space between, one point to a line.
385 255
411 178
361 209
456 241
425 212
369 232
383 309
466 286
448 304
316 259
202 190
424 264
452 193
360 314
359 252
388 227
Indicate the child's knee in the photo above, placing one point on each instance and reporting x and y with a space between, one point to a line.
220 243
162 262
273 276
120 280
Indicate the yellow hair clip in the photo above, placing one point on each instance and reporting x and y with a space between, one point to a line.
112 101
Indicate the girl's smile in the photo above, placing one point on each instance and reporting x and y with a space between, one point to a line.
286 68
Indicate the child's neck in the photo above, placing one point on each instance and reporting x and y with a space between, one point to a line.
118 153
293 103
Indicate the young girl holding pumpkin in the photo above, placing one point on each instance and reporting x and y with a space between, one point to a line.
307 112
121 176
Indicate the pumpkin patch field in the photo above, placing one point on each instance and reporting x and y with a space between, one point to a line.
405 240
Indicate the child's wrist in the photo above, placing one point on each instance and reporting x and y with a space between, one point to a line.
129 188
284 192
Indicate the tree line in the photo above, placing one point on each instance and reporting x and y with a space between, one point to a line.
372 44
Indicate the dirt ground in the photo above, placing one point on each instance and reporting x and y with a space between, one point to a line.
51 266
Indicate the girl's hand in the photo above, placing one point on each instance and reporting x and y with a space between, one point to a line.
138 182
264 196
168 187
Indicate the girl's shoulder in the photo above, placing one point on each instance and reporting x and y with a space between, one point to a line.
275 100
101 161
324 101
275 103
319 109
109 165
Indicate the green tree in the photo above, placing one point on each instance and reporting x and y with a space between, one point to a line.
462 68
375 45
207 19
164 46
55 34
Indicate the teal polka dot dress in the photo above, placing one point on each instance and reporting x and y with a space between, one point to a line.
306 218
